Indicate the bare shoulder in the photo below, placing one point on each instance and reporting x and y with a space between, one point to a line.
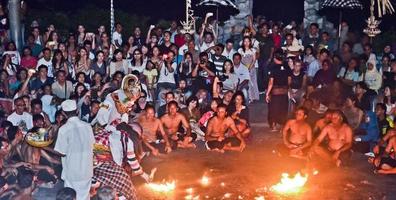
230 121
347 128
180 116
164 117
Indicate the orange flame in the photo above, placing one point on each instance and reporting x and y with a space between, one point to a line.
162 187
290 185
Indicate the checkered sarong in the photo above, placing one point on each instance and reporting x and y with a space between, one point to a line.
114 176
348 4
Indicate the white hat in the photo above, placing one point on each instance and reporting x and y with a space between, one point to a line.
69 105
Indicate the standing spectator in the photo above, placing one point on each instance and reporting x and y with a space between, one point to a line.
276 95
217 58
266 51
167 70
75 141
229 50
248 59
243 75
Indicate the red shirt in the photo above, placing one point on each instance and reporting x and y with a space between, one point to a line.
29 63
277 41
179 40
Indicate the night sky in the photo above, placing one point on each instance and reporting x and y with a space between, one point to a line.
285 10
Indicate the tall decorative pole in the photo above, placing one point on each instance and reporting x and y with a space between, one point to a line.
14 14
189 24
111 26
111 17
372 24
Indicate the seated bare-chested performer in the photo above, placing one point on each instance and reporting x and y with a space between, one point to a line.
385 159
151 127
297 135
171 122
335 141
218 126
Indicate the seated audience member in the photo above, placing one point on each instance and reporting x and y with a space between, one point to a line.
367 134
217 137
66 194
297 135
385 122
172 122
321 123
152 129
105 193
169 96
239 112
20 117
192 114
352 113
339 136
385 161
203 122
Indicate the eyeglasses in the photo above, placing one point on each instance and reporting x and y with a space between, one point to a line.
20 105
136 54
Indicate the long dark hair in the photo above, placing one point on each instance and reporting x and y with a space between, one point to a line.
133 61
238 93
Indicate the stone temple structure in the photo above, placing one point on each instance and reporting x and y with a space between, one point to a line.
236 23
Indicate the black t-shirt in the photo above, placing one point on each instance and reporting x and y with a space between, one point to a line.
390 79
204 74
297 81
280 74
165 49
243 115
265 44
364 102
383 126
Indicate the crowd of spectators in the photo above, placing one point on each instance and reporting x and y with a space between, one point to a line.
192 88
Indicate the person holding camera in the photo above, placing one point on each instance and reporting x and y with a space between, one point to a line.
204 72
166 70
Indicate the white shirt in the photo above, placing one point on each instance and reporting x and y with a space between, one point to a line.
116 36
42 61
313 68
76 140
25 120
242 72
15 57
228 54
165 76
206 46
137 68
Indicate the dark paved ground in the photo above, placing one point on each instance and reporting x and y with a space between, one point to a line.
247 174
